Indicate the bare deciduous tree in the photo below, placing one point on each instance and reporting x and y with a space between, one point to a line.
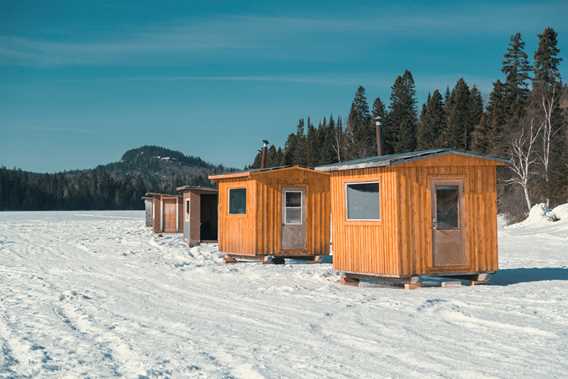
523 157
548 102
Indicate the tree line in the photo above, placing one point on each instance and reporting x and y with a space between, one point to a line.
114 186
524 119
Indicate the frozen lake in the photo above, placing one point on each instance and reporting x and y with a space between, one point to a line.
96 294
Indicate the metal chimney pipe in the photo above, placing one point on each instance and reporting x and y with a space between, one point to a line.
264 154
378 130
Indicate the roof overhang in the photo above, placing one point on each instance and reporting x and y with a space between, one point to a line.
397 159
263 172
196 189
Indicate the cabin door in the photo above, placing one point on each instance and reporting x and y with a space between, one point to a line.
293 219
448 250
170 216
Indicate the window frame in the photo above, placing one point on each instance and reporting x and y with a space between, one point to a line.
354 220
285 213
229 202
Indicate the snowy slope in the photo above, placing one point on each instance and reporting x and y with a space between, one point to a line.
96 294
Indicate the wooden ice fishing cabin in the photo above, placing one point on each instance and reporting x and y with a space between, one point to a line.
404 215
281 212
199 214
148 209
167 212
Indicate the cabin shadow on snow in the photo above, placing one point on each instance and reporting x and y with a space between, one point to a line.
510 276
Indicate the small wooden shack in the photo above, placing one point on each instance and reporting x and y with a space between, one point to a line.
148 209
429 212
167 213
282 212
199 214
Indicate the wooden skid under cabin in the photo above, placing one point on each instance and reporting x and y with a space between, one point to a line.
167 213
432 212
199 214
278 211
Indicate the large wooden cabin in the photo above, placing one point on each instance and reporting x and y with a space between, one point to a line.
429 212
283 212
199 214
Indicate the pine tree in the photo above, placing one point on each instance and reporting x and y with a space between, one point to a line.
359 125
475 112
517 70
400 127
460 127
432 122
497 115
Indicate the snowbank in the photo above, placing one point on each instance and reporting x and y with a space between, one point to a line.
540 216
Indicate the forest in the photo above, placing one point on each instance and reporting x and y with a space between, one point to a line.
523 119
114 186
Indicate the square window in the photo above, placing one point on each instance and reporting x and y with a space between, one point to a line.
237 201
363 201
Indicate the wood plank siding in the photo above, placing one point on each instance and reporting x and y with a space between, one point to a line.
400 243
258 232
367 247
237 233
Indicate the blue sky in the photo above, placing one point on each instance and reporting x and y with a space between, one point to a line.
81 82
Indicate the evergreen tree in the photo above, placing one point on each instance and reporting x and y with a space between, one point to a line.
359 126
400 128
432 122
517 69
497 114
460 123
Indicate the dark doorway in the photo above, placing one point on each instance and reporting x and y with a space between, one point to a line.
208 216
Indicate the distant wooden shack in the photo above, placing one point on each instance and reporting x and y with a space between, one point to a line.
167 213
199 214
148 209
280 212
430 212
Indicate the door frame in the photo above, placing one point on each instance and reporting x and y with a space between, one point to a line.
460 181
304 191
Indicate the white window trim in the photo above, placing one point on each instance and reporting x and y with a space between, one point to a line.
229 201
347 202
301 207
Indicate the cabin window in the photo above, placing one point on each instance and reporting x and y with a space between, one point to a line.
293 208
237 201
363 201
187 208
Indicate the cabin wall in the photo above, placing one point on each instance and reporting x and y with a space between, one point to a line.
156 215
172 214
366 247
480 212
237 233
148 204
269 215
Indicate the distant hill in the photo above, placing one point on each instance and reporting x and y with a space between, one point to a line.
117 185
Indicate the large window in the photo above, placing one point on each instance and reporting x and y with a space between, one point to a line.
237 201
363 201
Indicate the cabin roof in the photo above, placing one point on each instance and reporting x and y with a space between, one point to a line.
196 189
261 171
394 159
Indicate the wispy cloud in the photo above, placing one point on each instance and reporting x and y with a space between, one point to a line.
265 33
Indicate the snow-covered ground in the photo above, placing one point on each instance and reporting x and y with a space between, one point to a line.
96 294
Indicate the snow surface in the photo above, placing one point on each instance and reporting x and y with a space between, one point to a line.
96 294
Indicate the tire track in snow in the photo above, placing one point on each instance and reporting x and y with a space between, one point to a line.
113 351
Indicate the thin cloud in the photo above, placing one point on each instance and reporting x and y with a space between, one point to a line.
270 35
